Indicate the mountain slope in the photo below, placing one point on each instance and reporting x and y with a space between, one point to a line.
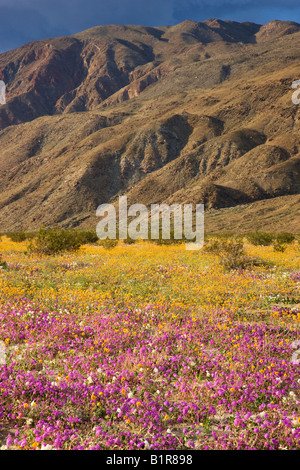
197 112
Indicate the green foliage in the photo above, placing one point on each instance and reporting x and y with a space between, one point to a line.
279 247
87 236
163 241
3 264
108 243
265 239
260 238
53 241
20 236
84 236
167 241
285 237
230 252
129 241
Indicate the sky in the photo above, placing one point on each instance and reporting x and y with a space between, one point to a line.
22 21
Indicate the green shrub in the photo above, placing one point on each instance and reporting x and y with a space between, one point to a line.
20 236
108 243
265 239
167 241
279 247
53 241
230 252
285 237
129 241
163 241
3 264
260 238
87 236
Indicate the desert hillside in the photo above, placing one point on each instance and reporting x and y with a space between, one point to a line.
197 112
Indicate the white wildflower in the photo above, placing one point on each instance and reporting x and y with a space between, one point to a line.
296 422
46 447
147 445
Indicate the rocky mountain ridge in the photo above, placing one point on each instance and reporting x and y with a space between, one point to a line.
196 112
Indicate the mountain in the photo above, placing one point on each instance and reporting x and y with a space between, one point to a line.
196 112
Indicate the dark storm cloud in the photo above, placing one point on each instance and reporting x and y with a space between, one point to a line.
258 11
22 21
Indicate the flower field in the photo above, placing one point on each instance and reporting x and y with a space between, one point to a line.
149 347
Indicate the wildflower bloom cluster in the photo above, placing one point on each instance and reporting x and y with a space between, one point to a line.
148 348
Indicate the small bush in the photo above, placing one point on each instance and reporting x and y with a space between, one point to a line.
87 236
3 264
53 241
230 252
129 241
20 236
285 237
163 241
108 243
279 247
260 238
168 241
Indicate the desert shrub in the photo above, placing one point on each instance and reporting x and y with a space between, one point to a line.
3 264
170 241
20 236
108 243
129 240
260 238
230 252
87 236
53 241
278 240
279 247
285 237
211 246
